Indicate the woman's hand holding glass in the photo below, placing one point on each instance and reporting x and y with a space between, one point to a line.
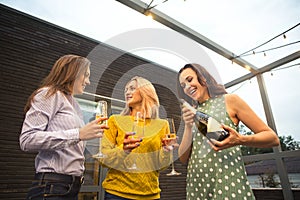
169 142
138 129
92 130
131 142
170 139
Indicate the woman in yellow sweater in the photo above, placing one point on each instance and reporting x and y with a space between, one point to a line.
150 153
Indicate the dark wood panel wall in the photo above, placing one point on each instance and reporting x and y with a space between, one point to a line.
29 47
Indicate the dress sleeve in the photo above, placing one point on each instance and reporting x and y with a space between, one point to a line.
35 134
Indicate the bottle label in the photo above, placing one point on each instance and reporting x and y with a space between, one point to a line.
217 135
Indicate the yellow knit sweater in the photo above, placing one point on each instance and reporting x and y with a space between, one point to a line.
149 157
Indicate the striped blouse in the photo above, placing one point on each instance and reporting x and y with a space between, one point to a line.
51 128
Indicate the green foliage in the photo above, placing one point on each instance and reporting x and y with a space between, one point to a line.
268 180
253 151
288 143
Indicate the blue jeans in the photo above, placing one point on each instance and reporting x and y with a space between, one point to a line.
45 189
109 196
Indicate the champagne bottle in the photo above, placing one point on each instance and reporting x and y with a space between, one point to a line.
206 124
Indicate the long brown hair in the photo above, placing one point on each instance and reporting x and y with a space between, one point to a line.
150 101
62 76
204 78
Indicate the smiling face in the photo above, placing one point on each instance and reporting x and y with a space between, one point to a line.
189 82
132 94
81 81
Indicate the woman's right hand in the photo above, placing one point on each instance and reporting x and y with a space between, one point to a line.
131 142
93 129
188 117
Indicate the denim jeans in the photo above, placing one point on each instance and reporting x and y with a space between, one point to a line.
109 196
47 190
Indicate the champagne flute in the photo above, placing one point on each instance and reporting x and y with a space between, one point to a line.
139 132
171 136
101 112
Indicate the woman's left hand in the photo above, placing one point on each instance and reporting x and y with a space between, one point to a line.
233 139
169 144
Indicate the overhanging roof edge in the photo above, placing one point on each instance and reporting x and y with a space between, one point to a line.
162 18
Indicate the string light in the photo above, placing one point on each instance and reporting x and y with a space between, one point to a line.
281 34
148 14
241 85
281 68
149 7
271 73
263 51
286 67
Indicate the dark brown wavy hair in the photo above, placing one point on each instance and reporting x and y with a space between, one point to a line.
204 78
62 76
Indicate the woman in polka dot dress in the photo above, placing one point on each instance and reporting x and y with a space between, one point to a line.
217 171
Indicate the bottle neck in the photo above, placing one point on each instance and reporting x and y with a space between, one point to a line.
187 105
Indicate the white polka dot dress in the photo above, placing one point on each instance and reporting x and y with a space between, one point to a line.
215 175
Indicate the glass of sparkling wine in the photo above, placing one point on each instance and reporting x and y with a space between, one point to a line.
172 136
101 112
137 127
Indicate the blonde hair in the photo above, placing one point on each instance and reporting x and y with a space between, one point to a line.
150 101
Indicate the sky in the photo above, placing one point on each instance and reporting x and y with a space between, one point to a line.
235 25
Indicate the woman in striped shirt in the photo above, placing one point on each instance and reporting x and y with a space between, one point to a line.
54 128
